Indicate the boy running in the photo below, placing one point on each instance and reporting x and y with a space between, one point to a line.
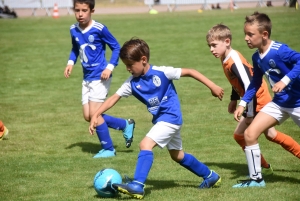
153 86
281 65
239 73
89 40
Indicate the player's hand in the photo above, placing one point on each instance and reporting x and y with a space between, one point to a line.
238 113
93 124
68 71
105 74
278 87
217 91
232 106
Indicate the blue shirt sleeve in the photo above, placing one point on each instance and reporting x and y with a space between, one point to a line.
113 44
287 55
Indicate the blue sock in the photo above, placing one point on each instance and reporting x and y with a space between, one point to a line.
143 166
114 122
104 137
195 166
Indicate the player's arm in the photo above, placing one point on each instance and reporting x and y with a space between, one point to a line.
72 59
250 92
290 56
114 46
243 75
215 89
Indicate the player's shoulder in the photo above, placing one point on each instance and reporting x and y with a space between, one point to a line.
73 26
277 45
98 25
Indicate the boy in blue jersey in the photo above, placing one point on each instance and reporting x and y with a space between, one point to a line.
89 40
153 86
281 65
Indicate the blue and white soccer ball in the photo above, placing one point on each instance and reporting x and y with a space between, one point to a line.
103 181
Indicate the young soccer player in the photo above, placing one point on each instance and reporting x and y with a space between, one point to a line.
281 65
3 131
239 73
89 40
153 86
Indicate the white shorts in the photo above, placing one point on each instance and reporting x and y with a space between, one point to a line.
282 113
95 91
166 134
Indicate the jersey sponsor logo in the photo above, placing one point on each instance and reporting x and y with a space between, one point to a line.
156 80
83 57
153 101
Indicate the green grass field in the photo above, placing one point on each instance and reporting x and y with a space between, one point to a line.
48 155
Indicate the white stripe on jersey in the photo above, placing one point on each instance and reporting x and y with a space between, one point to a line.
276 46
99 26
72 26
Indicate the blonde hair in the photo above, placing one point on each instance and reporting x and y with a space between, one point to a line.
263 22
218 32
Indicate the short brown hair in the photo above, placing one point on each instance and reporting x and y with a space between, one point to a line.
134 49
263 21
218 32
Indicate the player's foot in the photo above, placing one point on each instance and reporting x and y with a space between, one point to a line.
5 133
128 132
267 171
250 183
212 181
104 153
134 189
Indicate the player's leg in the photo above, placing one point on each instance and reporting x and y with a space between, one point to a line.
260 123
98 92
287 142
135 188
85 100
190 162
102 131
239 138
159 135
125 125
3 131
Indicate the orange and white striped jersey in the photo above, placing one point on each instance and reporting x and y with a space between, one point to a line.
239 73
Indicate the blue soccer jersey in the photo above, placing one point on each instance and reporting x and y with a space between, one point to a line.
90 45
277 63
156 90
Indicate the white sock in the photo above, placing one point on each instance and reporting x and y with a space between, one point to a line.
254 163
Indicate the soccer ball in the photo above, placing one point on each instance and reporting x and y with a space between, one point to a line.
103 180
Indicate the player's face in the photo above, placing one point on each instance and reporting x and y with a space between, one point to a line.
83 14
218 48
253 37
136 68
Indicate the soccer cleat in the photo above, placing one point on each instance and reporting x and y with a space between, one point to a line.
134 189
128 132
5 133
267 171
250 183
212 181
105 153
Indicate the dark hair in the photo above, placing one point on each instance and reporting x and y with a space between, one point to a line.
263 21
91 3
134 49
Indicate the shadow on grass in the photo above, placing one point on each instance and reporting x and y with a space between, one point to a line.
240 170
93 148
